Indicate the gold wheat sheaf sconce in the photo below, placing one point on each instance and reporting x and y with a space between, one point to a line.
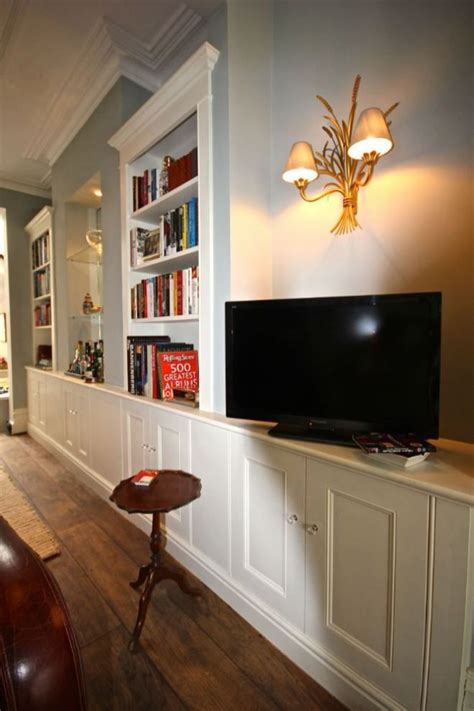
349 160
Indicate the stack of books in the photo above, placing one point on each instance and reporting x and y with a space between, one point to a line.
177 231
174 294
143 364
401 450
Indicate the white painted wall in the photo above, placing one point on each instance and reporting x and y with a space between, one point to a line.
250 62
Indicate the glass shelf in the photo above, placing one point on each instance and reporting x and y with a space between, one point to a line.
88 255
94 318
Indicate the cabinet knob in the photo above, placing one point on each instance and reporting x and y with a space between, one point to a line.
152 449
144 446
292 519
312 529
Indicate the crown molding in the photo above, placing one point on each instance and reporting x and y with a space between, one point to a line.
197 67
14 14
109 52
10 182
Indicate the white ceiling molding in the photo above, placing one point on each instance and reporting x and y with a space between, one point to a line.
109 52
12 15
23 186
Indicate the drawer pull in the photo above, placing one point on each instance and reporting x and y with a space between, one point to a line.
292 519
312 529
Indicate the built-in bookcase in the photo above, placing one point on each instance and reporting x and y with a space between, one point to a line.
40 232
169 285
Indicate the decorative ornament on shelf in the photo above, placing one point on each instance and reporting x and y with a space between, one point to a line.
348 157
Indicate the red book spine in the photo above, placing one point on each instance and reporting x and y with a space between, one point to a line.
145 299
179 297
154 374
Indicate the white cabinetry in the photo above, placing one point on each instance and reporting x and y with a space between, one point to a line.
36 389
40 231
76 420
268 545
135 438
176 119
105 445
169 445
211 521
361 574
366 576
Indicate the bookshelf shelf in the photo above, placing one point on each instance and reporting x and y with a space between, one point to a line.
151 213
181 260
166 319
40 233
174 122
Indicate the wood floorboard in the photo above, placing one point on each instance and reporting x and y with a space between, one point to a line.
195 653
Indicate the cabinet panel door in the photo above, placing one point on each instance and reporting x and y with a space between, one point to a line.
169 449
54 410
268 491
135 440
211 516
70 419
106 440
81 413
41 400
32 385
366 576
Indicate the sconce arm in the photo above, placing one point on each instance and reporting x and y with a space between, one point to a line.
301 186
366 170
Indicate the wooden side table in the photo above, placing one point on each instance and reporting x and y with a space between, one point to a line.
170 490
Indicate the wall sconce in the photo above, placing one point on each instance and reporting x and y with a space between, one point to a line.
347 158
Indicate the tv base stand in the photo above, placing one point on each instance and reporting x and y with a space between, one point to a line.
311 434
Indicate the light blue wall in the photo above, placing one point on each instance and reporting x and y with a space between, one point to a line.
20 209
88 154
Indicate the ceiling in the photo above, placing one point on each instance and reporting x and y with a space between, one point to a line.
59 58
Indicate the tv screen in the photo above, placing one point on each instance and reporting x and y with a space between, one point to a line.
332 367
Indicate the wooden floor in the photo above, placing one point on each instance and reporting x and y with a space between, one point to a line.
195 653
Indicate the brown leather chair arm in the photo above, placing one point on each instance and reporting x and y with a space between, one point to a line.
40 663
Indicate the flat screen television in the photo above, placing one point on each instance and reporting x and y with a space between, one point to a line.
328 368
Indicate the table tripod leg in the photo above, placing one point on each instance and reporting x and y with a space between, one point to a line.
142 609
142 573
165 572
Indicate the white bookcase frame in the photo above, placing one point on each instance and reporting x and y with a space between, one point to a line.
41 224
187 92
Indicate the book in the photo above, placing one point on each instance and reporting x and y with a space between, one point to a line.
385 443
400 459
179 374
145 477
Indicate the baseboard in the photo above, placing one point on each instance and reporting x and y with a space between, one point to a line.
18 424
341 681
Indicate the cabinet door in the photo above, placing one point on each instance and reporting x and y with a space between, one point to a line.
366 576
41 401
81 413
268 539
106 440
169 449
33 405
210 515
135 440
70 419
54 410
76 421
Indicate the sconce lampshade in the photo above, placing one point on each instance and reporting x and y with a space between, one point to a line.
300 164
371 134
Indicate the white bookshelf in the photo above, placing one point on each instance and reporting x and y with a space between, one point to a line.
40 233
172 122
